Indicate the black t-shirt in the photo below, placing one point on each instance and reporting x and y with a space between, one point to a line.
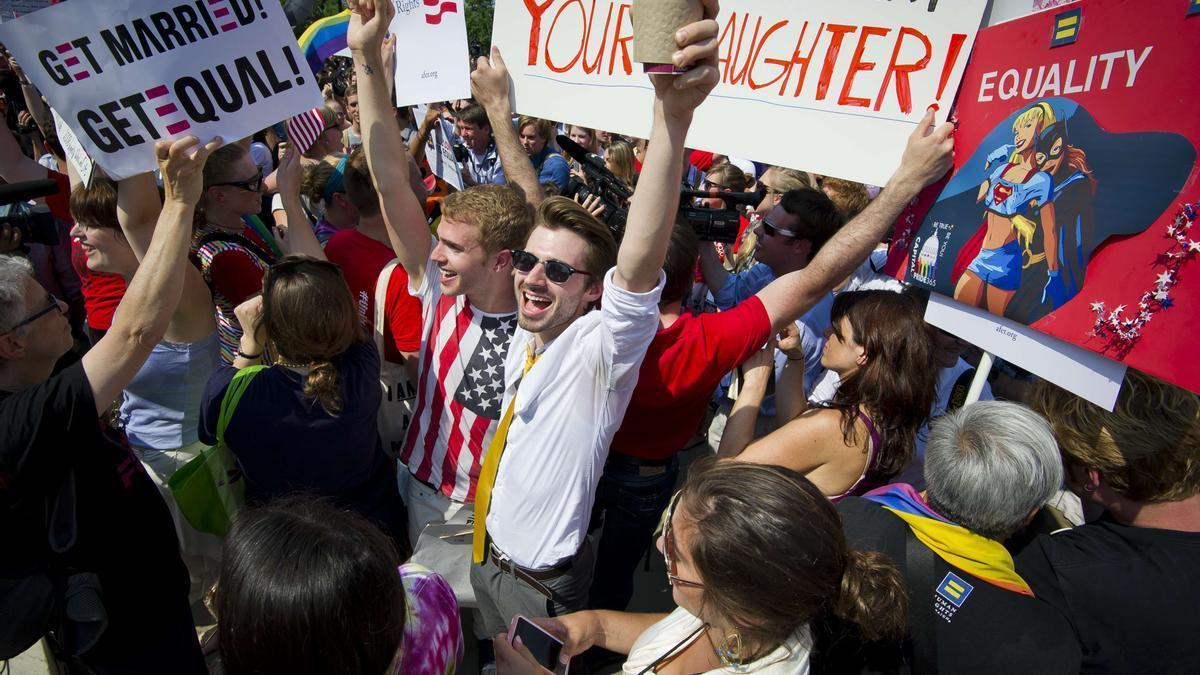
286 443
124 532
1130 593
986 629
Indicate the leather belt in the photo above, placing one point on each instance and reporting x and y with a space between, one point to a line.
533 577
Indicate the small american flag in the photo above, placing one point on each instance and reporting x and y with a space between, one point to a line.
304 128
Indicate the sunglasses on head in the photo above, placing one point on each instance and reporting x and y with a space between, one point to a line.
252 185
772 231
556 271
669 548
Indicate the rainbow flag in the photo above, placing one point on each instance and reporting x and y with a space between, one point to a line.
980 557
324 38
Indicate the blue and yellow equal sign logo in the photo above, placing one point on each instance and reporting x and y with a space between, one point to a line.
1066 27
1193 7
954 589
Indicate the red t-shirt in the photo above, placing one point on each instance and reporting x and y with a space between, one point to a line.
101 292
362 259
701 159
683 366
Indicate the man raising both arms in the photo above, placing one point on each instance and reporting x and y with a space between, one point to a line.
463 282
570 372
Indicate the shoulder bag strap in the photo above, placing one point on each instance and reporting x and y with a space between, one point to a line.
920 561
381 288
233 394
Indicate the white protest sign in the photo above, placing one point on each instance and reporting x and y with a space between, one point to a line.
1078 370
125 73
74 151
830 86
439 152
433 62
1007 10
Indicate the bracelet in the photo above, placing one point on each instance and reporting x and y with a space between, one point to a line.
248 357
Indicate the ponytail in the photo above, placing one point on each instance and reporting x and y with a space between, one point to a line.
873 596
322 384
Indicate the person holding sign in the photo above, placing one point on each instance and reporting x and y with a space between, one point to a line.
57 458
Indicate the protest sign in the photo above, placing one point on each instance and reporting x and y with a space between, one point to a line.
74 151
439 152
1072 203
125 73
433 62
831 86
1075 369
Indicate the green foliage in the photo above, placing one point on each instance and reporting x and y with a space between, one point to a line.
479 24
322 9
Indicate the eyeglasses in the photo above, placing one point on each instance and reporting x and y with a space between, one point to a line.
556 271
669 549
252 185
52 303
771 230
709 185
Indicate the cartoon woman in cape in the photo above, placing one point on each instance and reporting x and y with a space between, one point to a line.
1073 197
1015 194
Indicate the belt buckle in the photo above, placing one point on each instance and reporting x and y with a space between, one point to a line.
644 470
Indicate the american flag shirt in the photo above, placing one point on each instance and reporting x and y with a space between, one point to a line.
460 387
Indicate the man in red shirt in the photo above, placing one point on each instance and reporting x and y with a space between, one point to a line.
691 353
364 253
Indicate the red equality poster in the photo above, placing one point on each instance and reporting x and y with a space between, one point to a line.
1072 204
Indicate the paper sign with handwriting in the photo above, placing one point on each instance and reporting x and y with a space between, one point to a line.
830 86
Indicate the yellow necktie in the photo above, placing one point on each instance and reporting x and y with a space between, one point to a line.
491 464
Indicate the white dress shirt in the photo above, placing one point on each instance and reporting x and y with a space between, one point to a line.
568 408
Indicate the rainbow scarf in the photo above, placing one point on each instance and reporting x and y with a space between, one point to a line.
323 39
978 556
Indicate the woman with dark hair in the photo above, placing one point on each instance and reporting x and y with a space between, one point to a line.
307 419
754 554
881 351
309 588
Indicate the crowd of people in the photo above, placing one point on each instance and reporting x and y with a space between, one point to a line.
391 363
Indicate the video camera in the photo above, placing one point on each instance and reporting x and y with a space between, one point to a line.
35 223
720 225
613 192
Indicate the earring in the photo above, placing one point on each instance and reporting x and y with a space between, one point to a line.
730 651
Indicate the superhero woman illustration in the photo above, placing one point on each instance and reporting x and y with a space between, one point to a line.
1016 196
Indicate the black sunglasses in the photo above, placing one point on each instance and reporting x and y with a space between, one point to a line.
52 305
252 185
556 271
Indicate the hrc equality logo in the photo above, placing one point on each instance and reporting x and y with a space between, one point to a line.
954 589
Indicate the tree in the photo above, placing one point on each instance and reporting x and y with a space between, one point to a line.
479 26
321 9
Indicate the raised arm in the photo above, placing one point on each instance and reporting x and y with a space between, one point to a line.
382 142
490 87
756 375
150 300
927 158
711 269
300 239
656 199
16 166
138 209
416 145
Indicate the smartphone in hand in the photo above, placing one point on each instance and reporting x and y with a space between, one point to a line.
545 648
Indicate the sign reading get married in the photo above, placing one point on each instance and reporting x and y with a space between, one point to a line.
126 73
830 86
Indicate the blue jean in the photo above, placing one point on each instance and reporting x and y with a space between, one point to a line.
632 499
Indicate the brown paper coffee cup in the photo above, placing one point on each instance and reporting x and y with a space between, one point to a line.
654 26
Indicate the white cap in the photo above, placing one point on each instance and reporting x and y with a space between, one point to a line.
746 166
